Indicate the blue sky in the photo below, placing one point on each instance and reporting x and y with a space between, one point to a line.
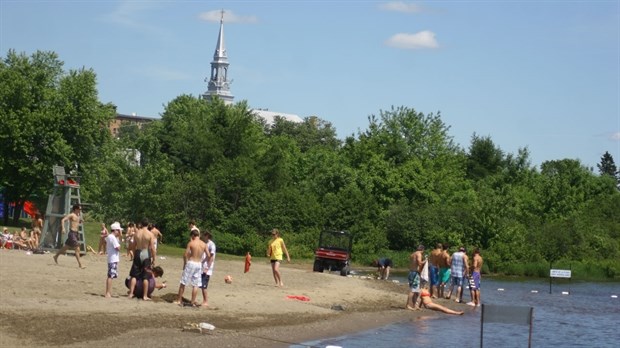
538 74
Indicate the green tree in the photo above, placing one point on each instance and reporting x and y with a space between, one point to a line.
310 133
47 117
608 167
484 158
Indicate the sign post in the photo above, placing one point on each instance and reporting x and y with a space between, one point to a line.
558 273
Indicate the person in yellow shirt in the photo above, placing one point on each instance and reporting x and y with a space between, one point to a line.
275 249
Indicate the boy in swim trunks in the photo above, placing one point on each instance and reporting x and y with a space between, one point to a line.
73 239
143 258
113 250
208 262
433 269
192 267
444 270
416 264
477 267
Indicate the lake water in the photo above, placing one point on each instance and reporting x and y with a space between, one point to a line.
588 316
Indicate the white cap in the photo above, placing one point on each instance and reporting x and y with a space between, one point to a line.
116 226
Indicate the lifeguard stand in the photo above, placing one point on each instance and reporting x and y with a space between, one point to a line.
66 193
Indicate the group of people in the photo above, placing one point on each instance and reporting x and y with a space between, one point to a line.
199 260
444 270
127 238
141 281
141 244
142 248
23 239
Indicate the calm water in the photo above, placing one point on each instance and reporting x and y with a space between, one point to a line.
588 317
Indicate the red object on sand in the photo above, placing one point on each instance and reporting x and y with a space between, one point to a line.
248 262
298 297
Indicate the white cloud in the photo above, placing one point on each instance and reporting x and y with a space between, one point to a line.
423 39
128 14
400 6
615 136
229 17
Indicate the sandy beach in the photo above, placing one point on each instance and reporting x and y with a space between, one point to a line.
45 304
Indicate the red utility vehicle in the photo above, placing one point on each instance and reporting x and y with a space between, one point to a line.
334 252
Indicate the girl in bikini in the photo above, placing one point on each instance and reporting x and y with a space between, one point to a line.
426 301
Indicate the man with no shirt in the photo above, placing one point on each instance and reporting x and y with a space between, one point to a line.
433 269
444 270
143 259
192 267
73 239
416 264
477 267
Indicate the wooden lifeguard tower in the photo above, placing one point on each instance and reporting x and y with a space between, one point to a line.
66 193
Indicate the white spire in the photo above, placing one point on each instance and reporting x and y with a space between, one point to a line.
218 82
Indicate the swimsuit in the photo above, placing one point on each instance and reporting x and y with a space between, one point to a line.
204 280
434 274
192 274
476 278
414 281
141 266
113 270
72 239
444 275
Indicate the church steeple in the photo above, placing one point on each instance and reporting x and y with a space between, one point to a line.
218 84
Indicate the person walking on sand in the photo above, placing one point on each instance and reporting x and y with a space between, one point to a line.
72 241
208 262
192 267
144 255
113 249
275 250
416 264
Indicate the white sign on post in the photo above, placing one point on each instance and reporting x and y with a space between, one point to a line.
560 273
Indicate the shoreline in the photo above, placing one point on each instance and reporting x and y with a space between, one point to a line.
60 305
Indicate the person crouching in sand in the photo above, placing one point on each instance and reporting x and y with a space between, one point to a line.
427 302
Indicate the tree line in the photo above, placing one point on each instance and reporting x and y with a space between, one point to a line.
398 183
